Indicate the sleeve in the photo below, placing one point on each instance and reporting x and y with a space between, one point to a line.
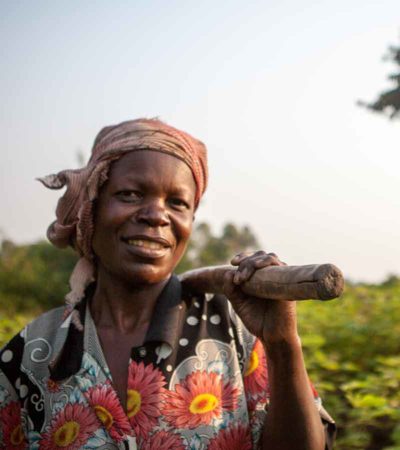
257 391
11 430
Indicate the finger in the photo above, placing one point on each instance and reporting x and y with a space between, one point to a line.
269 260
278 259
258 258
237 259
228 284
246 255
231 291
247 266
241 275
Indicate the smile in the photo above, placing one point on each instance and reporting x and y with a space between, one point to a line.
147 247
146 244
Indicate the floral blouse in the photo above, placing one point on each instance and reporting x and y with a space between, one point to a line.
199 381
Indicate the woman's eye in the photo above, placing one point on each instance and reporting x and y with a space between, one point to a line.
128 196
179 203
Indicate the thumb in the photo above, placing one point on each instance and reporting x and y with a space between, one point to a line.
232 291
229 287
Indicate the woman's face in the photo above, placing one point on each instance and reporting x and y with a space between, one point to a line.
144 217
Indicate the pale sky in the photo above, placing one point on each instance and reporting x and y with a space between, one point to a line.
270 87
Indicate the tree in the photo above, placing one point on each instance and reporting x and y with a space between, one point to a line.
33 277
206 249
388 102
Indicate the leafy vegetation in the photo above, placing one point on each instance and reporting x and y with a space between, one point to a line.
206 249
352 353
351 345
388 102
33 277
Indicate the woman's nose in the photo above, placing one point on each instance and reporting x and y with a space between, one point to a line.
154 214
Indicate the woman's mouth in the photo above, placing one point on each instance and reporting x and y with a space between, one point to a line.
147 248
146 244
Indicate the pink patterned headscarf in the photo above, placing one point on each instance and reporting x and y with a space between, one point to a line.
75 210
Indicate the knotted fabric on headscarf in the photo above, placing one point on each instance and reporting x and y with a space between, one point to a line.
75 210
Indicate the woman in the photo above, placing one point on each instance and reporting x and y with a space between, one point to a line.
135 362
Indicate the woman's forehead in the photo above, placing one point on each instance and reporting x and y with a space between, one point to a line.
150 163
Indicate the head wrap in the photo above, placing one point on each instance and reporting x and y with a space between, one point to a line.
75 210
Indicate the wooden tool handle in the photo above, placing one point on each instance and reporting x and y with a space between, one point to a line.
314 281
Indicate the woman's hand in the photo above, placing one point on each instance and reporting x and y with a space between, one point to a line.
293 420
272 321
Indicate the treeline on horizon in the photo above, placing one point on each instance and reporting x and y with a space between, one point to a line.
351 345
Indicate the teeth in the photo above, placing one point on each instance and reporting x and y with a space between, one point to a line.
146 244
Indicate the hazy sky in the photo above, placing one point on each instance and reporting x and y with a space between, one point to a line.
269 86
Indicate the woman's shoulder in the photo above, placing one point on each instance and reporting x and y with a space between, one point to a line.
35 344
45 325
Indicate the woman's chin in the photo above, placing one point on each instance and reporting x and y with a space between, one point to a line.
145 274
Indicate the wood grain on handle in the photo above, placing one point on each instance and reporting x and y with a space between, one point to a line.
314 281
